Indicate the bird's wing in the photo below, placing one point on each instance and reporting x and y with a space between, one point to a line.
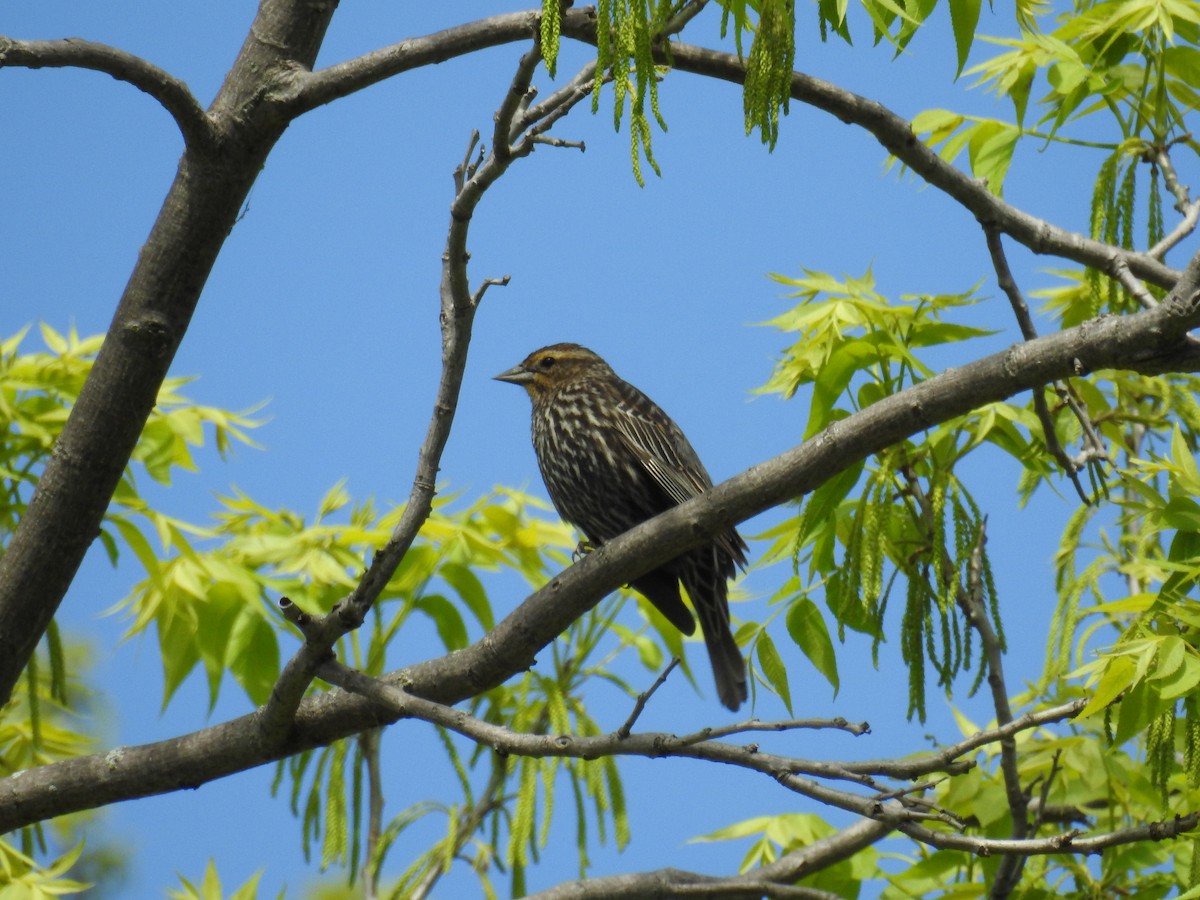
664 451
660 446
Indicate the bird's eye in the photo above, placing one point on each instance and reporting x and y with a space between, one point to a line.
546 362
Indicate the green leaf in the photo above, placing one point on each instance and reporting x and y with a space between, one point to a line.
937 122
53 340
470 589
1182 681
446 618
648 650
964 16
176 641
335 498
773 668
991 149
254 656
138 544
1118 675
843 363
807 627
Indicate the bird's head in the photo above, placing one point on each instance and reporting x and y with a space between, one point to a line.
546 370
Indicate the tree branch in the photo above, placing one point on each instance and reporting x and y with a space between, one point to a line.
309 90
894 808
1008 284
944 759
1068 842
1188 208
971 601
169 91
457 315
1145 342
95 445
896 136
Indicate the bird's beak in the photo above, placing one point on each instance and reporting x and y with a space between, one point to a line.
515 375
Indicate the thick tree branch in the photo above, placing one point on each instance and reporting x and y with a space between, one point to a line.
201 207
774 880
1147 342
309 90
169 91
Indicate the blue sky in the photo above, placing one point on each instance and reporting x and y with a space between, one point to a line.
324 303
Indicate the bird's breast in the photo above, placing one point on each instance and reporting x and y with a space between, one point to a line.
593 478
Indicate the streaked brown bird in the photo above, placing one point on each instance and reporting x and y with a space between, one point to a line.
611 459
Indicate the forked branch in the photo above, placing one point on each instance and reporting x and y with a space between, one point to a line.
458 305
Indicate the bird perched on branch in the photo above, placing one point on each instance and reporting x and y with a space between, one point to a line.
611 459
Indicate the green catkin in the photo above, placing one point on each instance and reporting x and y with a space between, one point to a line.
767 88
912 648
550 32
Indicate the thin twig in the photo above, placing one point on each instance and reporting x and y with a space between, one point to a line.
680 20
487 283
1020 308
1050 437
1073 841
458 307
945 759
1007 283
899 812
469 821
971 600
559 142
623 731
1043 803
1120 271
1184 204
466 168
514 102
568 95
754 725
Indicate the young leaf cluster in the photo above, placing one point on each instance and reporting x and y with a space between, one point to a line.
1127 67
208 594
49 718
1075 781
777 836
905 524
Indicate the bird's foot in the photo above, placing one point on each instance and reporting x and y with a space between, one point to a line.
582 549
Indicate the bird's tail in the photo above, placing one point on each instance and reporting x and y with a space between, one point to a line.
709 593
729 668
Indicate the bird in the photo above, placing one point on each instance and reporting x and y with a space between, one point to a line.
611 459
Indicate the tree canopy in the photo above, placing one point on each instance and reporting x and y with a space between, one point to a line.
969 480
